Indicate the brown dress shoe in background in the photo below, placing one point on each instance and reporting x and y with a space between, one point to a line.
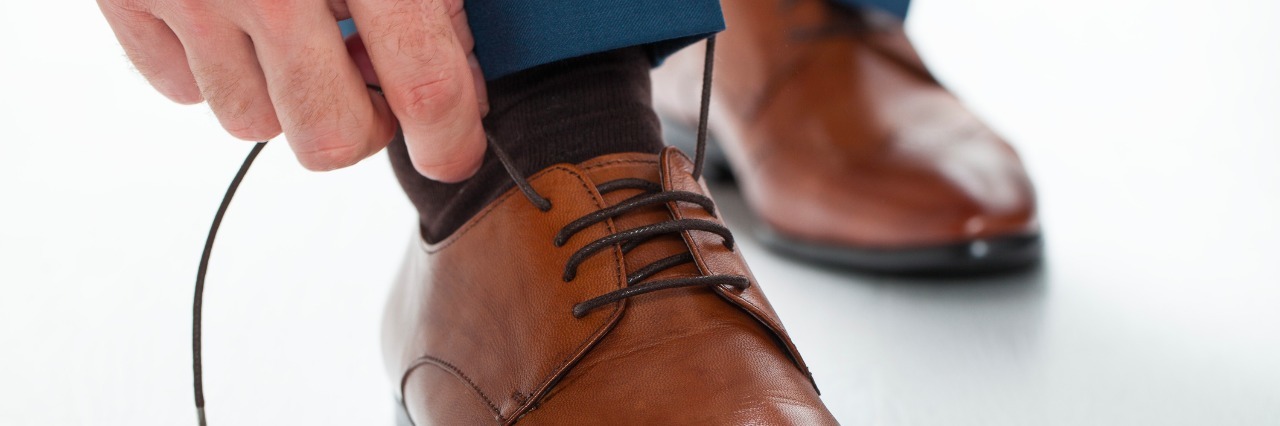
605 293
848 150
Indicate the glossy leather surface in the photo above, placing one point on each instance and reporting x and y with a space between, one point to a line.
840 136
479 327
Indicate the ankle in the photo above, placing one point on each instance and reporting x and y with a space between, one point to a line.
565 112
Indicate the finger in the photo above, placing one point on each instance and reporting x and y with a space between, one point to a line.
482 92
230 79
155 51
424 72
331 118
463 29
360 55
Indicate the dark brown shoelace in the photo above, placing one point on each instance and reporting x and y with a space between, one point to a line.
632 238
652 195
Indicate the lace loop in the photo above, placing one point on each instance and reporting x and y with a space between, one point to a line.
532 194
644 232
582 309
659 266
628 183
639 201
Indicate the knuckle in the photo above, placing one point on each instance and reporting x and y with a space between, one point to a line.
433 100
310 98
220 87
202 29
194 14
251 128
401 31
129 13
277 18
324 152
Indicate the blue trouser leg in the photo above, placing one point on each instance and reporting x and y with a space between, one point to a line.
896 7
348 28
515 35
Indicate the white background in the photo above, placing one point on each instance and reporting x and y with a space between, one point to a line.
1151 127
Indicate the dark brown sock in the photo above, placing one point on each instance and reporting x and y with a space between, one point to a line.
564 112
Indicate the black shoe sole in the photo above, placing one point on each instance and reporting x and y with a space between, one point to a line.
984 256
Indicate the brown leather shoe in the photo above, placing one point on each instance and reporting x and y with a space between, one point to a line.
848 150
624 301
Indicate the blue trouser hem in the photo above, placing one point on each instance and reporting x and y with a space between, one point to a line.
515 35
895 7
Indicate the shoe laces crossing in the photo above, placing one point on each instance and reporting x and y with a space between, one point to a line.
632 238
652 195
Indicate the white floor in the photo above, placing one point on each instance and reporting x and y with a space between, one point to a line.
1152 128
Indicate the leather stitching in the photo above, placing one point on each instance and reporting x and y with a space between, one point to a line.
612 162
456 372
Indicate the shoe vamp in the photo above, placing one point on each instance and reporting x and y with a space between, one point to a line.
893 161
683 357
679 356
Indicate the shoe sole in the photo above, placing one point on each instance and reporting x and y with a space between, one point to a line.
979 256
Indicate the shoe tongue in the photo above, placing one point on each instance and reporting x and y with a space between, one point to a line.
642 166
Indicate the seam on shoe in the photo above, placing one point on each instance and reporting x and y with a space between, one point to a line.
690 241
564 363
453 370
688 235
612 162
774 327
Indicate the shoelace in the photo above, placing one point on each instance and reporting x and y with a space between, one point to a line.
652 195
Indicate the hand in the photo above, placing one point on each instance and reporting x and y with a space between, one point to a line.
268 65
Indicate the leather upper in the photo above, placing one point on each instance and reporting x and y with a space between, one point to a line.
842 136
479 326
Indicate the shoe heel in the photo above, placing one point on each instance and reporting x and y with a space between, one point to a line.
402 416
686 138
